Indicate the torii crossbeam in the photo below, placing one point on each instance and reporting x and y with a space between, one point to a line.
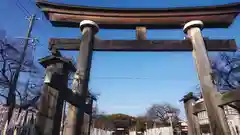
142 45
64 15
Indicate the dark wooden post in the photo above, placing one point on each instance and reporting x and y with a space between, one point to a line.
51 103
81 78
90 115
216 115
193 124
46 107
141 33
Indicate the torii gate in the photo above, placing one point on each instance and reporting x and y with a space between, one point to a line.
191 19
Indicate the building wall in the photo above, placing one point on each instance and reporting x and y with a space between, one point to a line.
233 119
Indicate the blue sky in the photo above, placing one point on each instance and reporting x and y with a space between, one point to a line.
164 77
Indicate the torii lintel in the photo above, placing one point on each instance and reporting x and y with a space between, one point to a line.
63 15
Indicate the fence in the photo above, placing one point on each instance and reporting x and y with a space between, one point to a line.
95 131
156 131
21 122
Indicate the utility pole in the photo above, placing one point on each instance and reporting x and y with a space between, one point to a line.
11 95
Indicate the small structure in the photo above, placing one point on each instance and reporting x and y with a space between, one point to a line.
184 128
122 127
197 114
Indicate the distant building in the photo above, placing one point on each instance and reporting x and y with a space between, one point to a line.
181 128
184 128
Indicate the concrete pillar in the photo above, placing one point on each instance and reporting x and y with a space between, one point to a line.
216 114
192 121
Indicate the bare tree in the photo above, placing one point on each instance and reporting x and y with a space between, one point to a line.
95 111
27 89
158 112
226 70
226 74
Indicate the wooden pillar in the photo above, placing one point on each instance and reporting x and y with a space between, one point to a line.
51 103
63 81
44 122
216 114
193 124
90 115
81 78
141 33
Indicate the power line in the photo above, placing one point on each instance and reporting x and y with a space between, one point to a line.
123 78
33 5
22 8
126 78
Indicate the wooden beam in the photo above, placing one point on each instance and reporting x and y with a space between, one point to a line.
62 15
142 45
230 97
68 95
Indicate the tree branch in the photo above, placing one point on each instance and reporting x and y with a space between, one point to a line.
20 96
3 96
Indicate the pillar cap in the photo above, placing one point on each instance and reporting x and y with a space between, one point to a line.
48 60
89 23
191 24
188 97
